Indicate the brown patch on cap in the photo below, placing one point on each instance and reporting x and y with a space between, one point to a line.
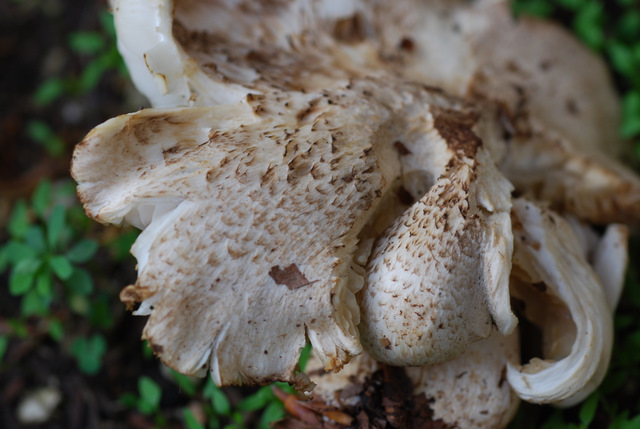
290 276
156 348
404 196
407 44
385 342
133 294
401 148
455 129
349 30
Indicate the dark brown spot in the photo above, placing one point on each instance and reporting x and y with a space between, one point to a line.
572 107
406 44
401 148
404 196
540 286
349 30
156 348
290 276
503 376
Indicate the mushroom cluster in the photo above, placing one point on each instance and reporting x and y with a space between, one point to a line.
393 182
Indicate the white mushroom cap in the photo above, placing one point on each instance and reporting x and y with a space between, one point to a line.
438 277
249 211
471 391
310 157
549 256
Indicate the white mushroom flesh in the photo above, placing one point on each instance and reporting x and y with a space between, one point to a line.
548 253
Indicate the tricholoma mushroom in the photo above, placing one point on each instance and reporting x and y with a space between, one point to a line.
393 182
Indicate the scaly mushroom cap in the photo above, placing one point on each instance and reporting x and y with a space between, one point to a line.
434 269
250 212
559 109
470 391
300 171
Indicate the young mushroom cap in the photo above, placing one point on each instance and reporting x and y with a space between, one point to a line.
438 277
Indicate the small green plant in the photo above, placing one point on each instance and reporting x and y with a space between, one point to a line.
43 253
147 401
88 353
190 420
98 52
99 47
44 256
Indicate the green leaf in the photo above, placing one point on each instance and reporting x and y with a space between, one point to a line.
4 344
61 267
41 198
258 400
56 329
82 251
86 42
185 383
34 238
42 134
119 247
33 304
305 354
4 259
190 420
540 8
571 4
19 328
100 313
150 395
626 3
588 24
147 353
106 21
219 401
80 282
588 410
628 26
555 422
129 400
273 412
88 353
44 283
17 252
92 73
22 276
285 387
622 59
49 91
631 114
19 221
55 225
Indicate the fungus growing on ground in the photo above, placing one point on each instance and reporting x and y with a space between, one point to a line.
343 173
